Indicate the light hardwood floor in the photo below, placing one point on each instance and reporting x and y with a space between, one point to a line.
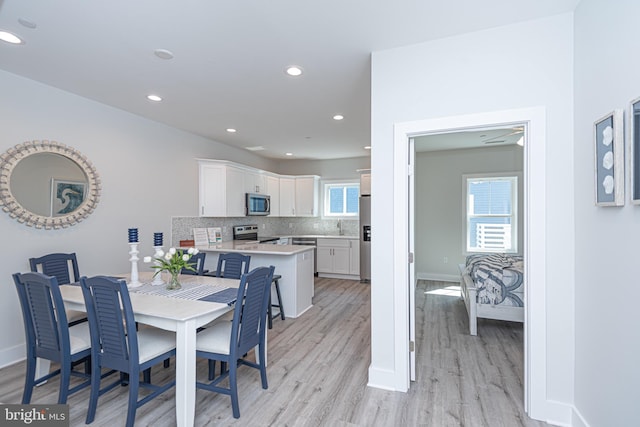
318 372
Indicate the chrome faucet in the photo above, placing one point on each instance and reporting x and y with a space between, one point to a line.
340 230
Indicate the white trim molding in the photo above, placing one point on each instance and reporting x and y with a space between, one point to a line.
536 403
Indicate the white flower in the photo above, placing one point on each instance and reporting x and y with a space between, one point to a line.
185 257
607 160
195 251
167 256
160 253
172 251
607 136
147 259
191 250
607 184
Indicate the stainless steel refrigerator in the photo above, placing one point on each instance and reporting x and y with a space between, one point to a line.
365 238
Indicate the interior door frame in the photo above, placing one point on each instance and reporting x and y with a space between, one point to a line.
535 372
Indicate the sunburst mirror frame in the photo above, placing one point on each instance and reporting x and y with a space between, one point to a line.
8 161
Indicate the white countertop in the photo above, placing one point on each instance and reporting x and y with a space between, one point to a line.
253 247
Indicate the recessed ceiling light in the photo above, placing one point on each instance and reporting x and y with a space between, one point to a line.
293 71
338 117
256 148
27 23
10 38
367 147
231 130
288 154
163 53
154 98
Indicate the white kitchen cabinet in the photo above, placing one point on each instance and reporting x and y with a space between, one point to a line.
221 190
287 196
254 182
272 188
306 195
334 256
365 184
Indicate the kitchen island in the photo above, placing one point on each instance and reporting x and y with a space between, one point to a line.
293 263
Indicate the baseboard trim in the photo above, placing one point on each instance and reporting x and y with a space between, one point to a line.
382 378
559 413
339 276
12 355
438 276
577 420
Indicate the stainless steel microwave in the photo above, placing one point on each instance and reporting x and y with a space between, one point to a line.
258 204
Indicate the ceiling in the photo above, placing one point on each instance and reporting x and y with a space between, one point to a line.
229 58
472 138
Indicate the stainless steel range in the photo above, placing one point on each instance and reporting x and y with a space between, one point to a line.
250 232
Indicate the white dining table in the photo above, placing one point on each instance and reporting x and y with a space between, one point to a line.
183 316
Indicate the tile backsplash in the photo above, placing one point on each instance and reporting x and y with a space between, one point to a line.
181 227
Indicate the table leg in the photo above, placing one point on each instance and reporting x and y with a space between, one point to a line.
185 373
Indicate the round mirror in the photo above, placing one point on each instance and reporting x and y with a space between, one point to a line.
47 185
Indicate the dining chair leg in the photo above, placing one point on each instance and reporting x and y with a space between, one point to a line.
233 388
95 393
146 375
167 363
133 401
65 373
29 380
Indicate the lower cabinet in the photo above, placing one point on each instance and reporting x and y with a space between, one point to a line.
338 256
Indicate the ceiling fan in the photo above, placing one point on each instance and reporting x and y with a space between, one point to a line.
512 132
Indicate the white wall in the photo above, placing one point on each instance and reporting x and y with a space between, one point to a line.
148 175
517 66
439 209
607 337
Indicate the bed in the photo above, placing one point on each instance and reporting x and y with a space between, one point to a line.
492 287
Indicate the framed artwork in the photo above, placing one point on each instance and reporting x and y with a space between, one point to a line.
634 150
608 138
66 196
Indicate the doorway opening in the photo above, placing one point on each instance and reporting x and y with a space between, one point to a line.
533 223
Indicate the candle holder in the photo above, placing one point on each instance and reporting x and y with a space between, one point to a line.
157 280
133 251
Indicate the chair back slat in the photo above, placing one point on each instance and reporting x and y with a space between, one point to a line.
39 296
232 265
250 316
197 263
111 321
64 267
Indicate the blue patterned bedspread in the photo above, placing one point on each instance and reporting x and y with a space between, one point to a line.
498 278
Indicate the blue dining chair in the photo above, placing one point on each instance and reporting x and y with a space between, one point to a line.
232 265
197 263
229 342
117 345
49 335
64 267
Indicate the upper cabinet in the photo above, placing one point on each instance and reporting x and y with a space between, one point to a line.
365 184
221 190
307 195
223 186
254 182
287 196
272 184
299 195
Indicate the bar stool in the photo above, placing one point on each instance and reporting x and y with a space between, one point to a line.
275 279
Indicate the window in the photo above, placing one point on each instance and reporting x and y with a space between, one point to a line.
491 220
341 199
